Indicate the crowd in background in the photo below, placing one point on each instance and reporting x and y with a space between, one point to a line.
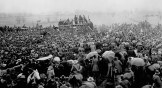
119 56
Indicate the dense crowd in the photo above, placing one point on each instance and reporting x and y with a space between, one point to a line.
122 56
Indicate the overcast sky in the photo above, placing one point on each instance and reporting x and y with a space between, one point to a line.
46 6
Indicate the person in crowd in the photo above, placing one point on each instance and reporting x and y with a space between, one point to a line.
118 65
58 67
125 83
95 68
76 76
89 83
157 80
50 71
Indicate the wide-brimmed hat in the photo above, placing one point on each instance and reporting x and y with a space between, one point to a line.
75 61
56 59
129 70
157 72
90 79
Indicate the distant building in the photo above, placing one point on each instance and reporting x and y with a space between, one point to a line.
78 21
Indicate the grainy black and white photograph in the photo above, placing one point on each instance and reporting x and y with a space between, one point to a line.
80 43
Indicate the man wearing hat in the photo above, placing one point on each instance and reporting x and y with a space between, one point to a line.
125 83
157 80
89 83
58 68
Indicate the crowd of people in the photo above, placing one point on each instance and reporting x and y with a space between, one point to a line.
122 56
